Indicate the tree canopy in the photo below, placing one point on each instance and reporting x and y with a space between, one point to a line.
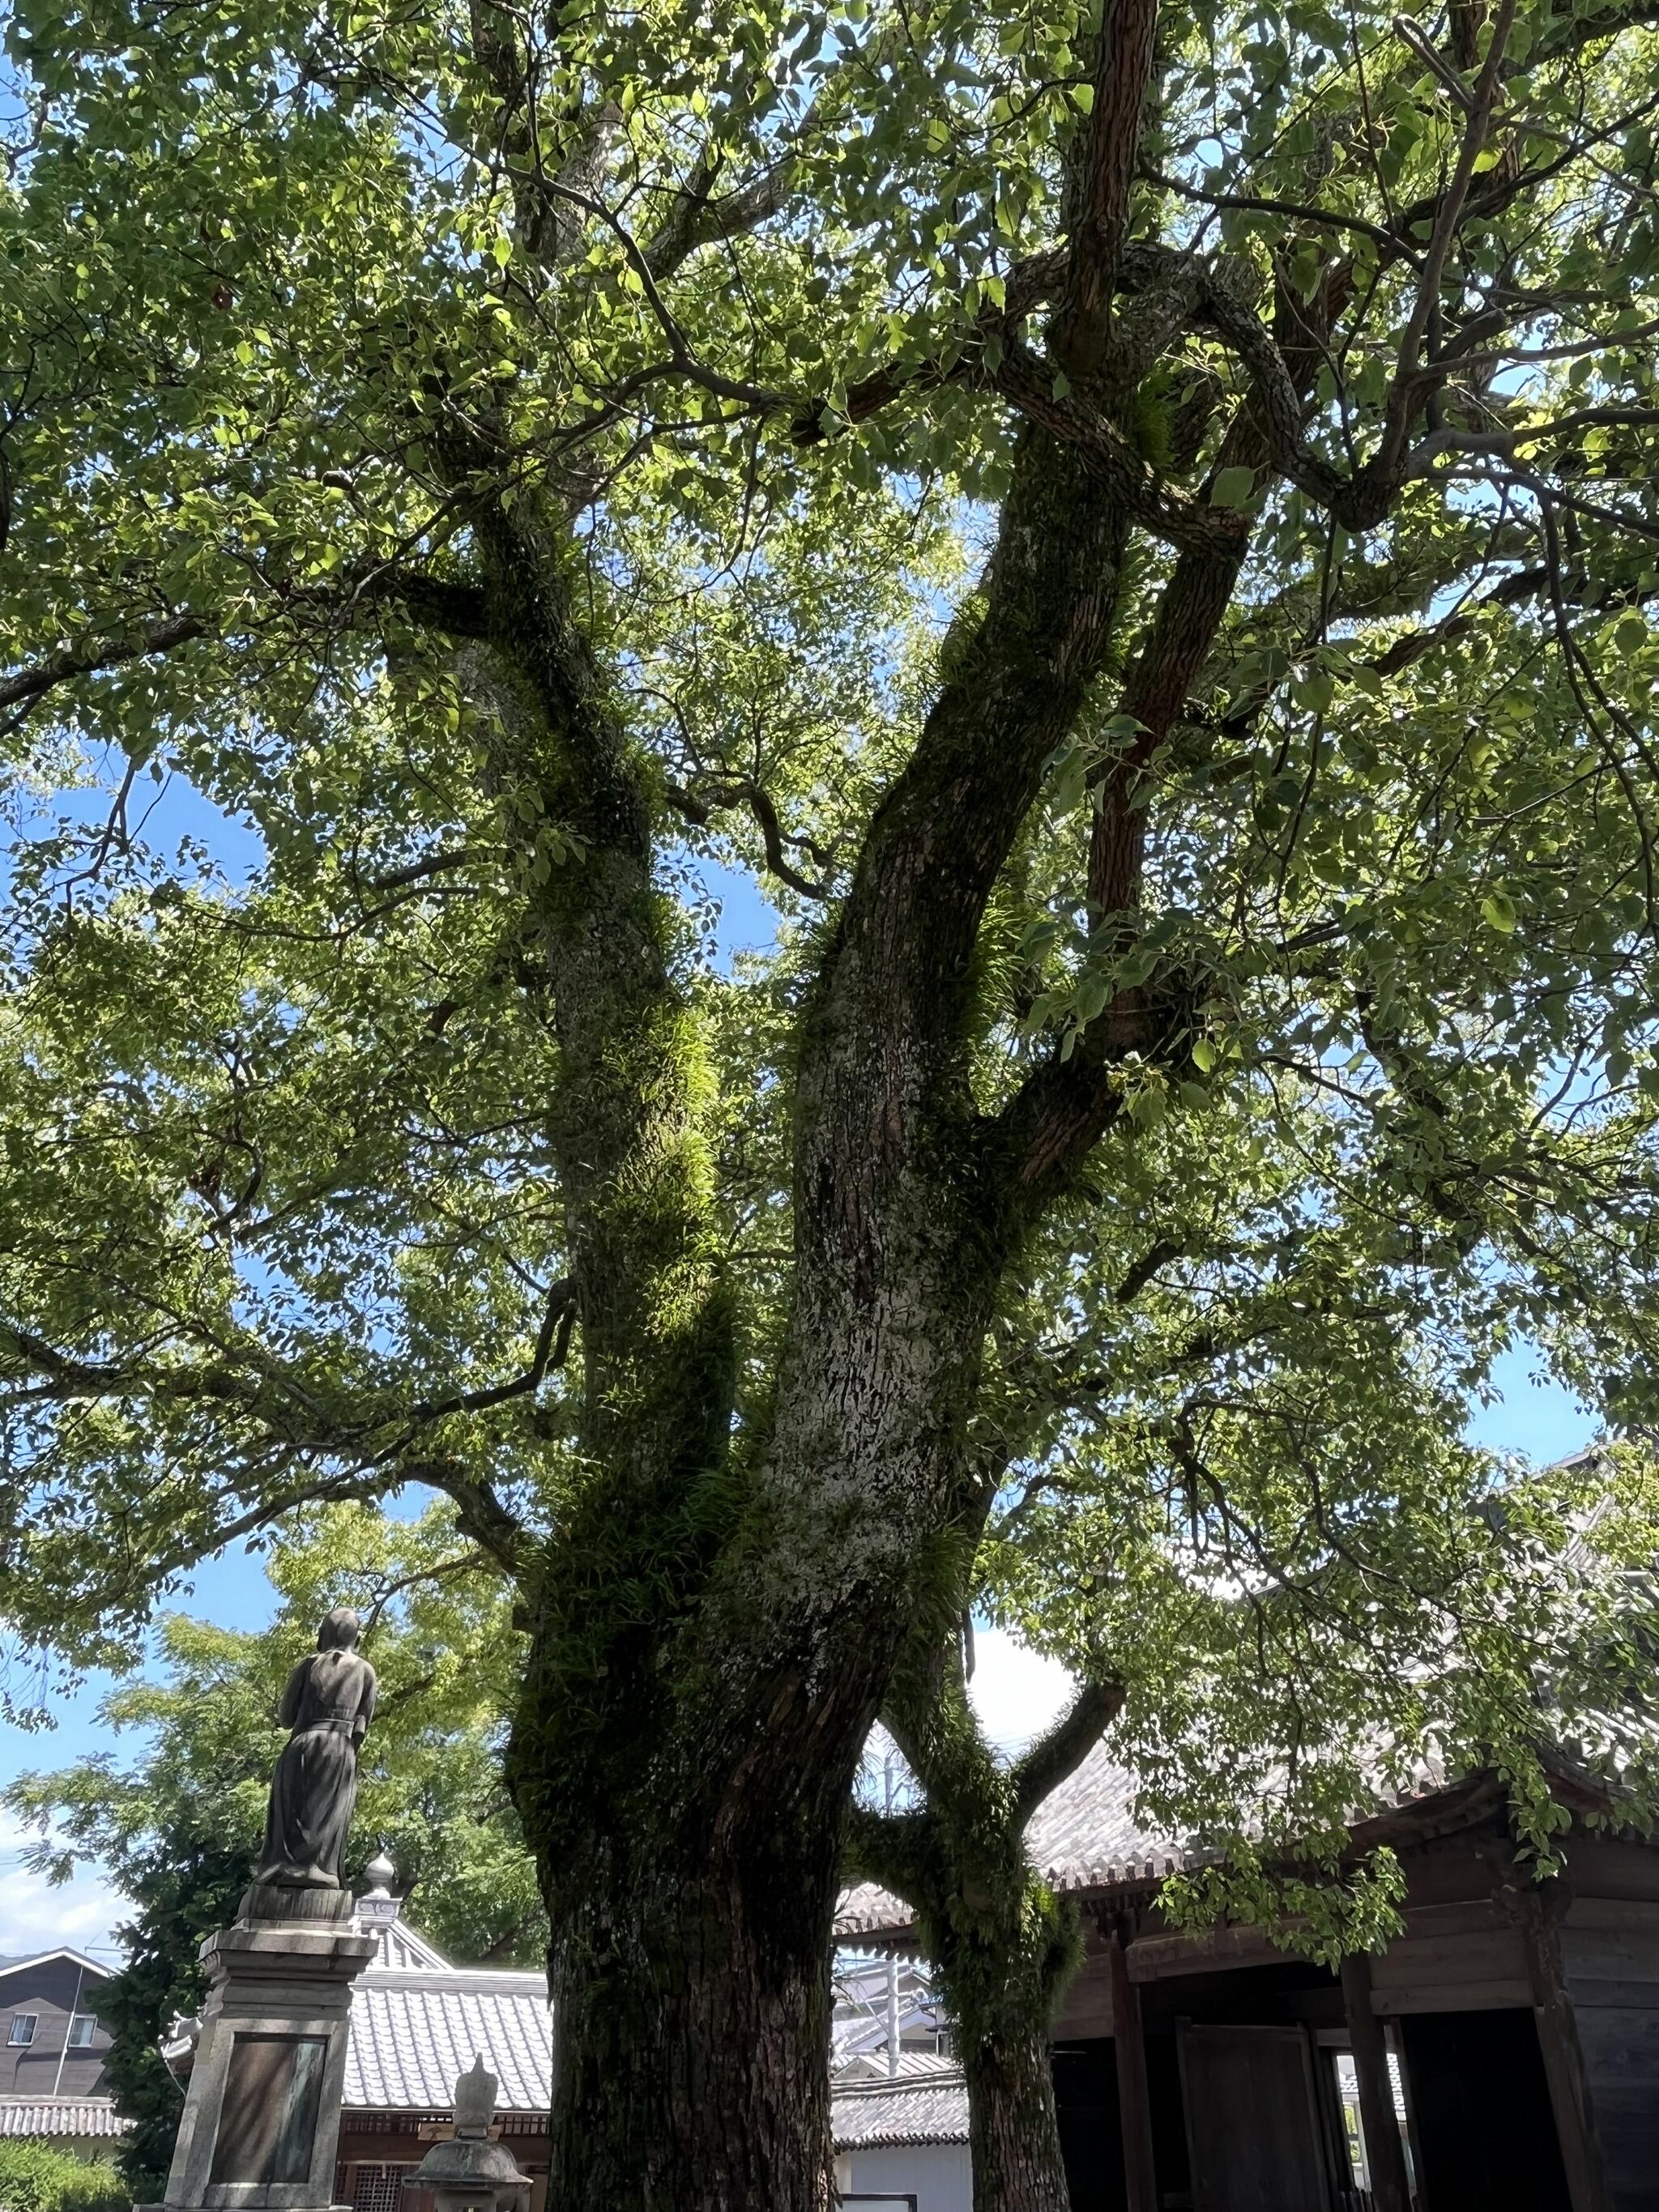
1138 529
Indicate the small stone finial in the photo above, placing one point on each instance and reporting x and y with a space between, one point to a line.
475 2101
379 1873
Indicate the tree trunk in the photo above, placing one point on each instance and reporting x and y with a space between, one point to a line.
689 1864
1001 1943
713 1629
691 2013
1013 2127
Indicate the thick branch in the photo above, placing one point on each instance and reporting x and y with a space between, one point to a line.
456 608
1066 1105
1057 1755
93 656
1157 1255
1571 34
1123 70
883 1848
699 218
479 1513
1023 377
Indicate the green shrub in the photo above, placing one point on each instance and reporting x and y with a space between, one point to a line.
34 2177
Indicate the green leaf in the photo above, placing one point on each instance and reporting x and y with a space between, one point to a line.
1497 910
1233 488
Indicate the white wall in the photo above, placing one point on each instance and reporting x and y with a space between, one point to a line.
937 2175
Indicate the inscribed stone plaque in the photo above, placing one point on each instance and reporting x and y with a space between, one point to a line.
267 2121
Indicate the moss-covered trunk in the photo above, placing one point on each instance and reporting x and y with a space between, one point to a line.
1001 1969
1002 1944
711 1632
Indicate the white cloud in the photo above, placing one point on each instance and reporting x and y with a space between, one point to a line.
1015 1691
36 1917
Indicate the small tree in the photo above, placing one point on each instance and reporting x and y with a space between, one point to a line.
34 2177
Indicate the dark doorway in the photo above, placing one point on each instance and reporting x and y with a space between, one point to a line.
1091 2130
1253 2120
1481 2104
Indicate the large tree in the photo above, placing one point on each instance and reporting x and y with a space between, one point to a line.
1139 527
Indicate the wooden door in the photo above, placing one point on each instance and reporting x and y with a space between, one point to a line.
1253 2124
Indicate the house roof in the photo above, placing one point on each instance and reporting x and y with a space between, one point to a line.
59 1951
76 2118
915 2109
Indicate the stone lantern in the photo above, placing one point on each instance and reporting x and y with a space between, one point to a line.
471 2174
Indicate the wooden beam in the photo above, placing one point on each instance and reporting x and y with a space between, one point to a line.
1390 2189
1151 1958
1558 2040
1133 2099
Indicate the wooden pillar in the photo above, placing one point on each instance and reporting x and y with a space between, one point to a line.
1558 2040
1133 2101
1390 2189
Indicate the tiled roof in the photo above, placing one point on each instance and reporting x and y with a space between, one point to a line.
1085 1831
73 2116
411 2034
872 2115
417 2022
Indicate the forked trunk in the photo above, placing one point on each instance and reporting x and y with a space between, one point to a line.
1002 1945
1013 2128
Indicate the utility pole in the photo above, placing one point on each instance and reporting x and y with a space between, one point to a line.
69 2029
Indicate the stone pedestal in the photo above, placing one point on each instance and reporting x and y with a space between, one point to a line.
261 2121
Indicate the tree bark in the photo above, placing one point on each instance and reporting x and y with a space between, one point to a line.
1002 1945
1013 2126
691 2016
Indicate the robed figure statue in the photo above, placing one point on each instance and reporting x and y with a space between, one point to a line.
327 1703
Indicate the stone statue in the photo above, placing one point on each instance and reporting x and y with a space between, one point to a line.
328 1703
